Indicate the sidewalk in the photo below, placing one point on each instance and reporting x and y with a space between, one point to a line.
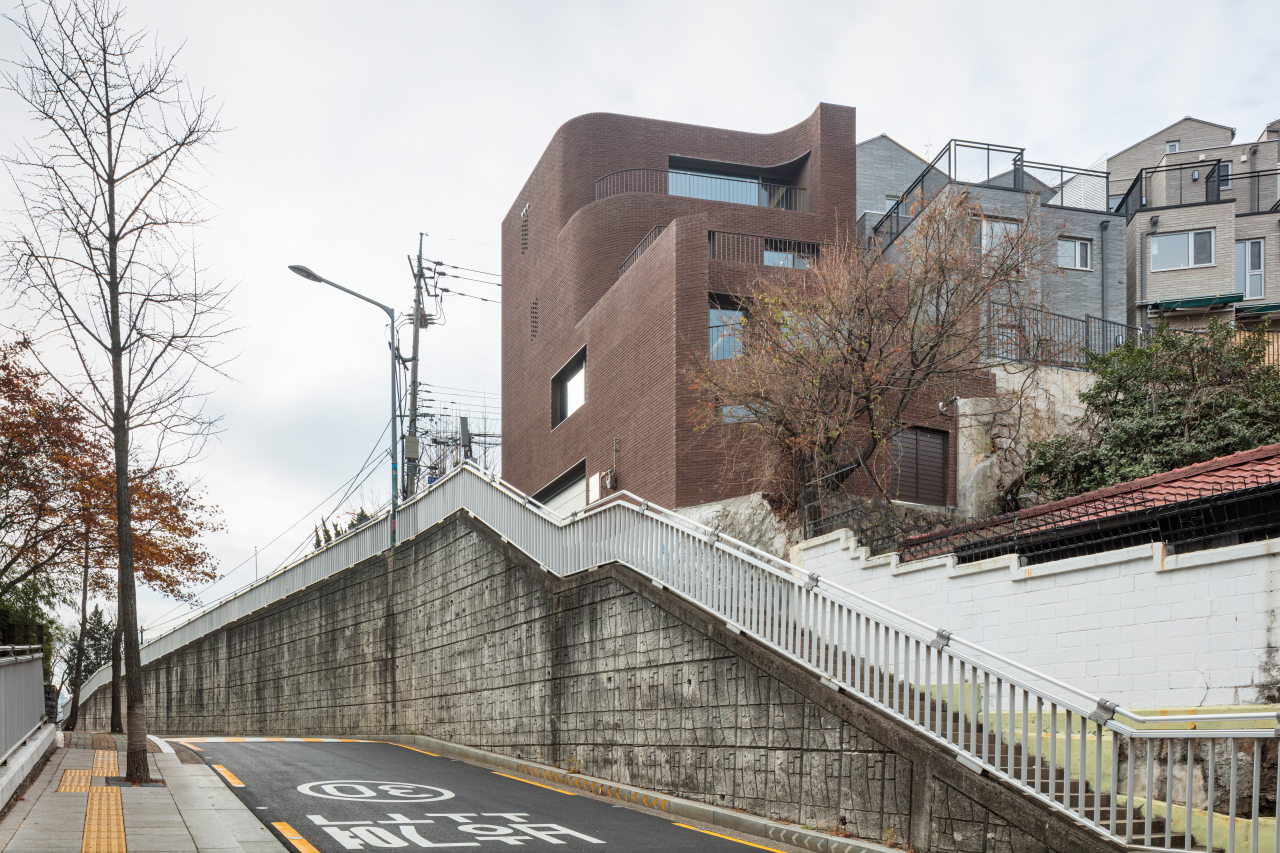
71 809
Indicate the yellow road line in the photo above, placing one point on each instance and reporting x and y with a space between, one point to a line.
229 776
75 781
539 784
728 838
190 747
295 839
103 821
414 748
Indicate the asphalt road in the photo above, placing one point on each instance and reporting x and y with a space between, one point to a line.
371 796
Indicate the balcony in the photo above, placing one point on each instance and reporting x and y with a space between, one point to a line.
654 233
761 251
687 184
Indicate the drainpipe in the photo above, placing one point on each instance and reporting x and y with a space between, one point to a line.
1102 254
1155 220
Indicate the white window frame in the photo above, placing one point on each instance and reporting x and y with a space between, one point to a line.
1172 146
1076 262
991 225
1224 174
1191 257
1261 271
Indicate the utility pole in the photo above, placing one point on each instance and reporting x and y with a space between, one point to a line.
412 451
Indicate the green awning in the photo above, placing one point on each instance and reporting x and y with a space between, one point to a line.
1268 308
1199 302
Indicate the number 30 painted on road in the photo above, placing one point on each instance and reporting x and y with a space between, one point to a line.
368 792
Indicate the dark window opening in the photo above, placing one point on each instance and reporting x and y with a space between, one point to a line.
920 466
569 388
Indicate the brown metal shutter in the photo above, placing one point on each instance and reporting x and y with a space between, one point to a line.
920 466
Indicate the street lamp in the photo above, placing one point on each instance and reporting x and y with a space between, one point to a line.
391 315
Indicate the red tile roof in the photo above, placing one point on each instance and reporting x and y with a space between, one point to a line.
1247 469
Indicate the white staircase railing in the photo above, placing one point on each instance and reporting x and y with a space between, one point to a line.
1140 779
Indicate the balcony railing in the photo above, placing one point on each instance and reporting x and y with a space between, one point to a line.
761 251
983 164
706 187
645 243
1200 182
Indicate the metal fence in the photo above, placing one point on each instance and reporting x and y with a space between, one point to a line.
21 695
648 240
995 715
1201 182
984 164
1035 336
706 187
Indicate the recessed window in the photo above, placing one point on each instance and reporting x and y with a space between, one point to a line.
1171 147
1181 251
725 326
1224 174
1249 256
1074 254
569 388
889 202
735 415
997 231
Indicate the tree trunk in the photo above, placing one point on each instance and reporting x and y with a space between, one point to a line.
117 721
74 717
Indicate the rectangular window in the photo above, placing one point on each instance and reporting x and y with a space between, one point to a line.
1249 256
735 415
996 231
569 388
712 187
1073 254
725 326
1182 250
1171 147
792 254
920 466
1224 174
889 202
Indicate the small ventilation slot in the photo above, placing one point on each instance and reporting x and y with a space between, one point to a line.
524 229
533 320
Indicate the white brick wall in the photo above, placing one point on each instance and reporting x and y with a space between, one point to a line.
1139 626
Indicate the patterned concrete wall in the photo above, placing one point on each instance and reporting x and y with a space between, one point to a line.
602 674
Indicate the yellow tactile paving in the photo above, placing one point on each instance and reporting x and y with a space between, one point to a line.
75 781
104 822
106 763
295 839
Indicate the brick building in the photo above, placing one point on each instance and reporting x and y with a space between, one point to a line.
614 254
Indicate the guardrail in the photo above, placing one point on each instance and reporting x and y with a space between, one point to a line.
994 714
21 695
1033 335
645 242
707 187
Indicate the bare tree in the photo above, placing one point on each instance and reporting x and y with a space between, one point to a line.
834 360
103 259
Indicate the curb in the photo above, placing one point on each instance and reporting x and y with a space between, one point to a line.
805 839
25 764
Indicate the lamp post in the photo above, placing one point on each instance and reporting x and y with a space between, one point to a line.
391 315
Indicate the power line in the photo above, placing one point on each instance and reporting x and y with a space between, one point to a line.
469 296
464 278
467 269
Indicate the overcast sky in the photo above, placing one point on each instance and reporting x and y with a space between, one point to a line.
353 127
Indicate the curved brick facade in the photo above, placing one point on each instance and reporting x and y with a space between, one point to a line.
561 250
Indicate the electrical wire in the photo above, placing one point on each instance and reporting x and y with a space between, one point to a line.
467 269
470 296
464 278
377 445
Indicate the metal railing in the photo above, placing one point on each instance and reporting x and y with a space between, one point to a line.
1035 336
1200 182
645 242
756 250
983 164
21 695
706 187
1034 731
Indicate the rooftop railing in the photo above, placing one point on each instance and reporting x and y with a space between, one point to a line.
1201 182
1035 336
1001 166
707 187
